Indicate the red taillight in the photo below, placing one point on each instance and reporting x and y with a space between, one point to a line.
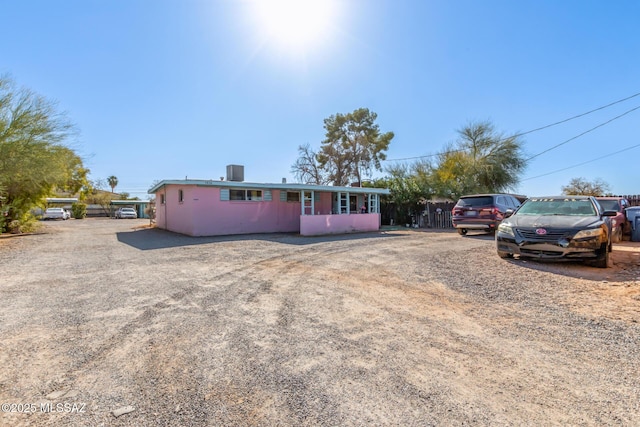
491 211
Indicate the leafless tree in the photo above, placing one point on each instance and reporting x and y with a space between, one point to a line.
307 169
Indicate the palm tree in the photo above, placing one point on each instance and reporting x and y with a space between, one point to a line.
113 182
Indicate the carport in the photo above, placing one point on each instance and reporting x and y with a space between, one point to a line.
139 205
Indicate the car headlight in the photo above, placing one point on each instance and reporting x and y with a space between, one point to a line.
593 232
506 229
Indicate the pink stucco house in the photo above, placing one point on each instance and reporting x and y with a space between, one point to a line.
213 208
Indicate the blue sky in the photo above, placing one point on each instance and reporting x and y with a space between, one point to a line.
165 89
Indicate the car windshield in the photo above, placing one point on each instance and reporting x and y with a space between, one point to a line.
54 210
475 201
609 205
568 206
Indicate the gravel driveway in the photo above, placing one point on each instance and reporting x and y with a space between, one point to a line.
106 322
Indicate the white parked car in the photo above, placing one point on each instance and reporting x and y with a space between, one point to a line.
126 213
56 213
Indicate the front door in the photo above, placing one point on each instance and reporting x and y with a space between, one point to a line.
353 204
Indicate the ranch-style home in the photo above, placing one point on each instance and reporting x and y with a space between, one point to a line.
213 208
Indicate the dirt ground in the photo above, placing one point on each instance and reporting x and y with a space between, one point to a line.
107 322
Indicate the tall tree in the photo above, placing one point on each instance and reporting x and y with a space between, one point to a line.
113 182
580 186
482 160
353 146
33 158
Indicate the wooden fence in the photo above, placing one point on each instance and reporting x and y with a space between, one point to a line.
633 200
438 215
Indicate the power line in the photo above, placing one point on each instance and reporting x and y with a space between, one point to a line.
583 163
579 115
583 133
422 157
541 128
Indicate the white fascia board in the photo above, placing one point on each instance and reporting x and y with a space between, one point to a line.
128 202
61 199
259 185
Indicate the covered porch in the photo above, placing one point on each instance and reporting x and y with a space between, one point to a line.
354 210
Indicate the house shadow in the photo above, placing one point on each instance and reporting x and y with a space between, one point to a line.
624 265
480 236
154 238
622 268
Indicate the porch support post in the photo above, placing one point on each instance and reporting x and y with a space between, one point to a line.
313 199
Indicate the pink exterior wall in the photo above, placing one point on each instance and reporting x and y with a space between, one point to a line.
313 225
326 203
215 217
173 215
202 213
323 206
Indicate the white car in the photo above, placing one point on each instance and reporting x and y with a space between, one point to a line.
126 213
56 213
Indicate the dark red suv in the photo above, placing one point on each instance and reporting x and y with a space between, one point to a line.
482 211
619 224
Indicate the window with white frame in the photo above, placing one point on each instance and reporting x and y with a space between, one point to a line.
307 202
343 203
373 203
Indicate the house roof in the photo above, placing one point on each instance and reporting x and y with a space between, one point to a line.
129 202
267 186
61 199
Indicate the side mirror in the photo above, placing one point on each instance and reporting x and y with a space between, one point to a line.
609 213
508 213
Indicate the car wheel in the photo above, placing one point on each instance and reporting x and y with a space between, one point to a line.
602 261
462 231
503 254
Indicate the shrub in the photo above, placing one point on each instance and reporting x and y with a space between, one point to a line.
79 210
27 223
14 227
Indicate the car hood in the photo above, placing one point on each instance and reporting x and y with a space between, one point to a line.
553 221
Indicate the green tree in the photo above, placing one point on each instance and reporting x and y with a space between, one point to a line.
3 199
480 161
113 182
353 146
101 198
125 196
409 191
33 158
582 187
